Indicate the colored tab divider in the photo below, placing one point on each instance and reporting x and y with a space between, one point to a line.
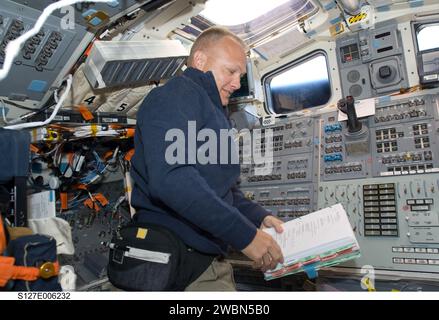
311 264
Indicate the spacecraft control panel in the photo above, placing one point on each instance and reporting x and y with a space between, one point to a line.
386 177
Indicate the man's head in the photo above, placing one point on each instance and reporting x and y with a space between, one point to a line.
220 51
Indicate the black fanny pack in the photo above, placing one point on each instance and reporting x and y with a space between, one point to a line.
148 257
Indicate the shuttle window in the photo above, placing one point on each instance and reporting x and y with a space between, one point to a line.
253 21
301 85
218 11
427 37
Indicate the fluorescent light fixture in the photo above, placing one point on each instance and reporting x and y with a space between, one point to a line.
125 63
236 12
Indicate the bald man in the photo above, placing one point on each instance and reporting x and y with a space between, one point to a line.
199 202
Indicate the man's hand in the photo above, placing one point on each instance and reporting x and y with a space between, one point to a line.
272 222
264 251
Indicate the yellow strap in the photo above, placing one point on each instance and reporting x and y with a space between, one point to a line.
368 284
94 129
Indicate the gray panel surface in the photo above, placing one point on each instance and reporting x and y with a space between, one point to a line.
43 58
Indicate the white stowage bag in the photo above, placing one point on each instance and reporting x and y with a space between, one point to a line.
57 228
67 278
82 93
123 100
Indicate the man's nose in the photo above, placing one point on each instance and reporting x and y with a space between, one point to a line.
236 83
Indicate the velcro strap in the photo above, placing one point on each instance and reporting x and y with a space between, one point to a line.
8 271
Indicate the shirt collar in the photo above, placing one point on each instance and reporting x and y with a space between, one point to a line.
205 80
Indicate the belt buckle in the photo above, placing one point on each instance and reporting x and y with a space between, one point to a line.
118 255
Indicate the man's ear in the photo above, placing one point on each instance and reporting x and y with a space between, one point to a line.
200 60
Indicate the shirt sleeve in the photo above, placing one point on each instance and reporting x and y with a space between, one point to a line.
253 211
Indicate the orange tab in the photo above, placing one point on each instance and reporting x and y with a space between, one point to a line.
81 187
129 155
64 200
115 126
101 198
6 269
88 203
129 132
108 154
92 205
70 156
87 51
85 113
3 242
34 149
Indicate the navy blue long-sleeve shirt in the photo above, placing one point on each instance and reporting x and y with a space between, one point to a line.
200 203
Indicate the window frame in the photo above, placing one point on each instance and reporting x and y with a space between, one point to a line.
267 77
418 27
427 78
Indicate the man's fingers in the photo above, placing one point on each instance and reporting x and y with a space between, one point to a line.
273 264
258 264
278 226
274 222
264 250
276 253
270 262
266 259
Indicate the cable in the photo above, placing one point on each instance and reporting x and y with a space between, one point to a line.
53 150
30 114
52 116
13 47
18 105
3 112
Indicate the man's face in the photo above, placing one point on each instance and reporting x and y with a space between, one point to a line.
227 61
